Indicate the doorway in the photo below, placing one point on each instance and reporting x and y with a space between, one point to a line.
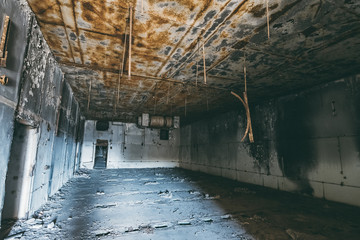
101 152
18 183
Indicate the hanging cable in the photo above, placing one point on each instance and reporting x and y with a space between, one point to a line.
197 64
245 71
171 107
168 94
197 73
122 63
245 102
268 18
185 103
203 47
89 98
155 98
207 104
155 105
130 39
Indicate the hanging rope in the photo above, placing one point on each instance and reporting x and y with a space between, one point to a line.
124 48
197 73
115 105
130 39
122 63
155 98
245 102
268 18
88 106
245 72
155 105
185 103
168 94
203 47
197 63
207 99
171 107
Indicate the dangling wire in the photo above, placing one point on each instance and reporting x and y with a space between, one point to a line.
207 101
185 103
245 71
121 67
155 98
155 105
203 47
171 107
168 94
197 64
130 39
197 73
115 104
245 102
124 48
89 98
268 18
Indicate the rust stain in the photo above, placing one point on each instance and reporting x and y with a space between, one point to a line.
77 31
87 36
46 11
66 32
206 4
104 17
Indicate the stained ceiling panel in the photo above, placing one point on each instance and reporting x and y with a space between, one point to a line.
311 42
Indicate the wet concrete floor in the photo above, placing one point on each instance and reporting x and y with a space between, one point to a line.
179 204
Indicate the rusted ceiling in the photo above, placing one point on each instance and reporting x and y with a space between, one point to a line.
311 42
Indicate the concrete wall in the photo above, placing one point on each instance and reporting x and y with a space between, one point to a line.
37 95
131 147
9 94
307 143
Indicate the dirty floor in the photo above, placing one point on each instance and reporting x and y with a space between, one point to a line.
179 204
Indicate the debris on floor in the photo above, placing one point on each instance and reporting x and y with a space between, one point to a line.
184 222
227 216
185 205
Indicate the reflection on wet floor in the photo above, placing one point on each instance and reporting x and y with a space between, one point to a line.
179 204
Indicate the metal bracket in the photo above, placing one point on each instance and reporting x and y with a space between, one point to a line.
4 41
4 80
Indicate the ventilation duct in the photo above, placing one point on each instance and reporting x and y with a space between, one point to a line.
102 125
158 121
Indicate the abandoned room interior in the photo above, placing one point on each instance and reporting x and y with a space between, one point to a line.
180 119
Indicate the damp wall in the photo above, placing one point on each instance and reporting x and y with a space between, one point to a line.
307 143
37 96
130 146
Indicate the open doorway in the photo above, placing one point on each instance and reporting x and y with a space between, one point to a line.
101 151
18 183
